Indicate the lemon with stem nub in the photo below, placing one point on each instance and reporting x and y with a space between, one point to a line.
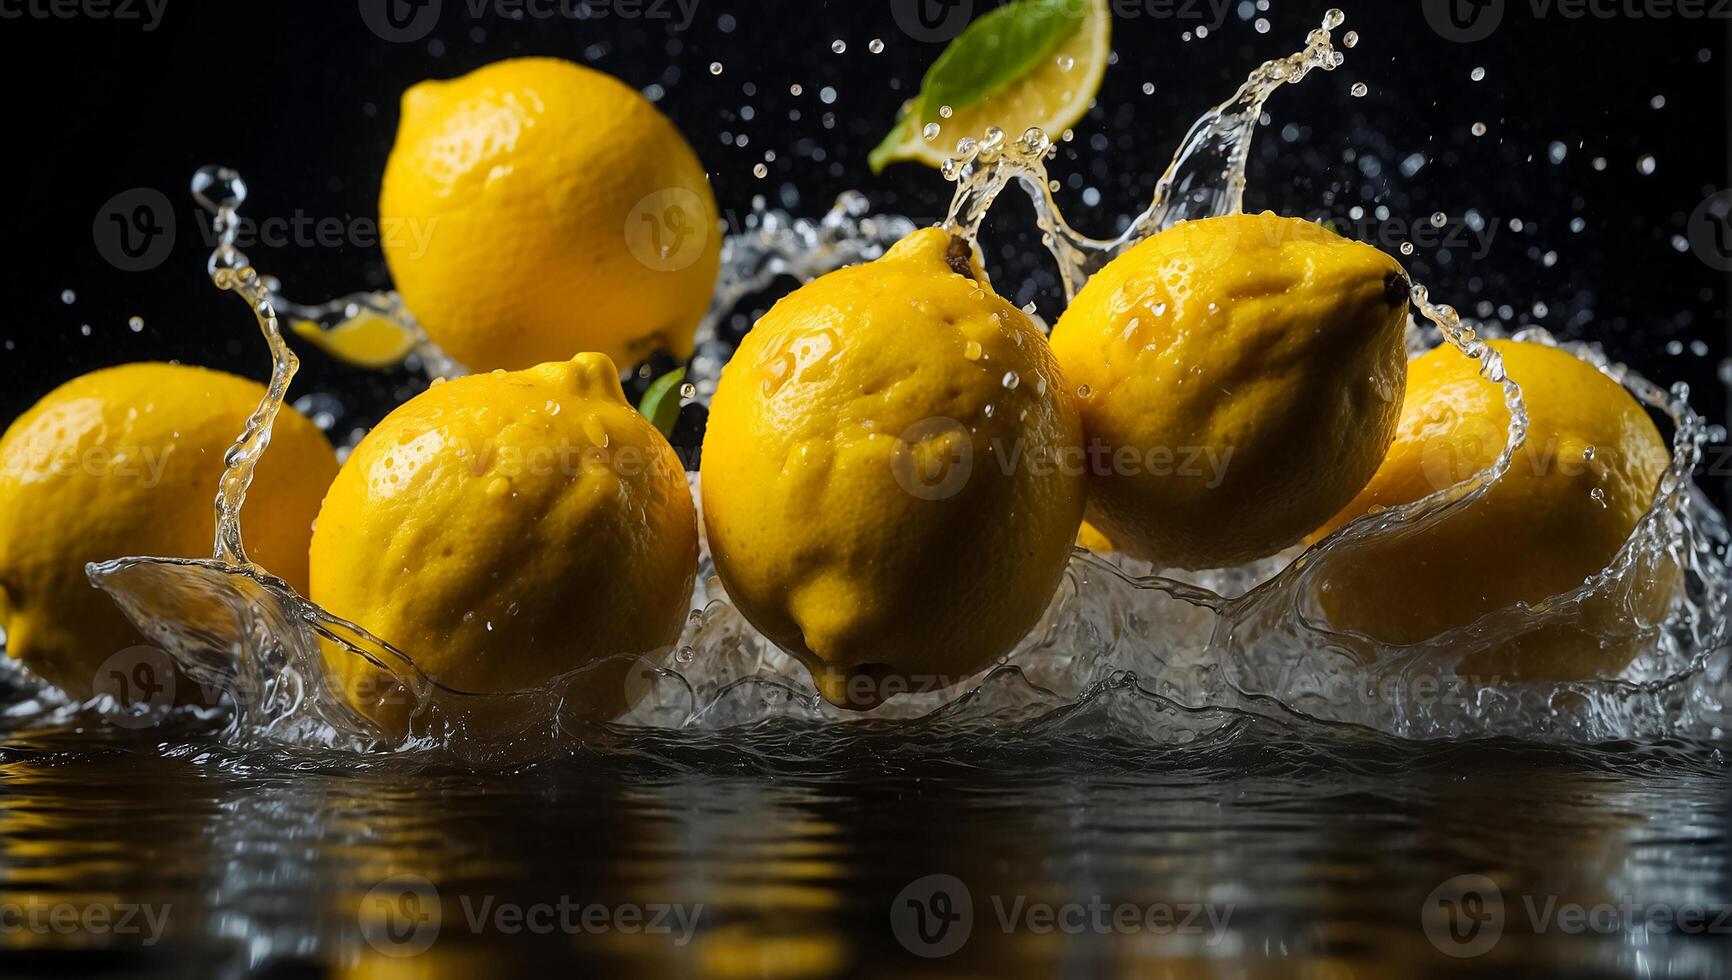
534 208
1244 375
891 473
127 461
504 529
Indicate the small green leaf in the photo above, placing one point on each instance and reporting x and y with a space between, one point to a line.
661 402
992 52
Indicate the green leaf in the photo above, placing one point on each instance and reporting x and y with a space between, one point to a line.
661 402
997 49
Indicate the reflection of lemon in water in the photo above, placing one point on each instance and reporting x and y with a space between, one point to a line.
506 528
534 208
1053 94
1588 471
883 487
1244 377
127 461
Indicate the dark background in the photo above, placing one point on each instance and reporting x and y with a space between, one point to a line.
301 97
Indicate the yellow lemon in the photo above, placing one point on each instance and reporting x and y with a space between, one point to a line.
127 461
1243 376
892 473
1588 471
533 208
506 528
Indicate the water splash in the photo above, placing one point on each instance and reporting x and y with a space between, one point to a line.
1166 660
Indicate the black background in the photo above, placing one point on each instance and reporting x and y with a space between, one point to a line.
301 97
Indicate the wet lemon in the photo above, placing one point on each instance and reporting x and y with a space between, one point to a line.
892 473
127 461
1243 376
534 208
1573 494
504 529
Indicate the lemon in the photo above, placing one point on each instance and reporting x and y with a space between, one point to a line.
533 208
892 474
127 461
1588 471
1053 93
504 529
1243 378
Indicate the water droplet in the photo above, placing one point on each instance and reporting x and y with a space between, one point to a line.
1351 39
84 329
795 89
1406 248
135 324
688 390
1478 74
68 297
1439 219
1479 129
1066 62
1083 391
1646 164
929 132
945 112
760 171
1011 380
1334 18
715 68
1359 90
838 45
1657 102
972 351
876 46
1148 88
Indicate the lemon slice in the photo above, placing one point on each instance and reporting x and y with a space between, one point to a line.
366 340
1028 63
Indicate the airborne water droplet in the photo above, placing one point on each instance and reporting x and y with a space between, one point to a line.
1478 74
715 68
838 45
68 297
1011 380
1359 90
876 46
929 132
136 324
1066 62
